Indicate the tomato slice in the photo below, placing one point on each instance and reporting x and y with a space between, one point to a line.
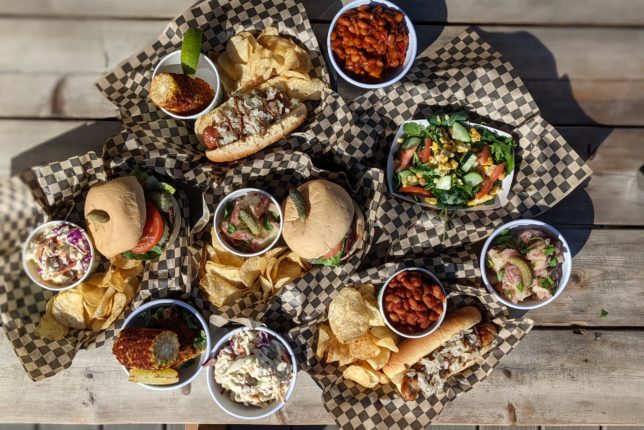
333 251
486 186
416 190
405 157
426 153
152 231
483 155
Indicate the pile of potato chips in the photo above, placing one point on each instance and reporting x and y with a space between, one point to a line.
228 277
249 61
356 333
94 304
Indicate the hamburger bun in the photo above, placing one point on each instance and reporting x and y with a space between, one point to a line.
330 215
123 201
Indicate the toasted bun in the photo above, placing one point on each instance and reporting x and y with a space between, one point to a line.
330 215
412 350
359 241
123 200
251 144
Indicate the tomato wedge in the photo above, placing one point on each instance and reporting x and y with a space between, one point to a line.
416 190
487 184
405 157
426 153
152 231
484 155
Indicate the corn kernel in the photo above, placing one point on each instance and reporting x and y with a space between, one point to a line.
401 140
422 181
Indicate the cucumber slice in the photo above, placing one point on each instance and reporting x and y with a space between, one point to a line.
468 163
472 179
526 273
444 182
411 142
459 132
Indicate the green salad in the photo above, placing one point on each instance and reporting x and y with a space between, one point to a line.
450 163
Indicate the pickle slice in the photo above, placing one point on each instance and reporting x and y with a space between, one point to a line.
250 222
298 201
524 268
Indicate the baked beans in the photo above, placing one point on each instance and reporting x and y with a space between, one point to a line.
370 42
412 302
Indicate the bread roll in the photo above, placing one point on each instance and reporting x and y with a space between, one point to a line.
123 201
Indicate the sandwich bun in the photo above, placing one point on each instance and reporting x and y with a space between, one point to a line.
330 214
122 199
412 350
251 144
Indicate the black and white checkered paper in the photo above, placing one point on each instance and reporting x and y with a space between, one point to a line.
53 192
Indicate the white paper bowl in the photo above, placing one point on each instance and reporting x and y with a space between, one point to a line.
31 269
523 224
429 329
188 374
219 214
409 57
206 70
499 200
239 410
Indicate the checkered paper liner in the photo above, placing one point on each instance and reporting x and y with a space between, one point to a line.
466 74
355 407
276 173
174 141
57 191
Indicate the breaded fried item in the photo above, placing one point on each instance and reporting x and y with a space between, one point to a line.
180 94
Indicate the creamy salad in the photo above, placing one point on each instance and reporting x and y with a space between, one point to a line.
254 368
61 253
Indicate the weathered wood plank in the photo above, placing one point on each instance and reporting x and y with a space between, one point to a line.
51 81
548 12
557 377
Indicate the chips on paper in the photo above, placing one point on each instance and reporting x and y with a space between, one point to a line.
249 61
348 315
354 315
228 277
94 304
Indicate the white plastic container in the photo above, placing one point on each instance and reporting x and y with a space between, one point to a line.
187 374
206 70
409 57
219 214
524 224
429 329
239 410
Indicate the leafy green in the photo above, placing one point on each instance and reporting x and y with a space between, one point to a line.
413 129
152 254
502 151
553 262
228 208
520 287
603 314
500 274
333 261
231 228
267 224
546 282
200 341
504 240
549 250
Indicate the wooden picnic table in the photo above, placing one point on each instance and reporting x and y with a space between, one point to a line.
582 60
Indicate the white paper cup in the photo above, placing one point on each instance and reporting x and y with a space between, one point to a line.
429 329
187 374
409 57
30 266
219 214
523 224
206 70
239 410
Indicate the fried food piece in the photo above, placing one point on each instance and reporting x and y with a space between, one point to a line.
180 94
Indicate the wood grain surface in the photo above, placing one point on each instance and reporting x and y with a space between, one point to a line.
583 62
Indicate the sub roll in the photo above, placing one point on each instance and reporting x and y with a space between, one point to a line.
146 348
423 365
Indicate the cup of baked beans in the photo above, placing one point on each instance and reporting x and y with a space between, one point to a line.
371 44
413 302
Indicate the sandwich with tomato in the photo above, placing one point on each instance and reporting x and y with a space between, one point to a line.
322 223
133 216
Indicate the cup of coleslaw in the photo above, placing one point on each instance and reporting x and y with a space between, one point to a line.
58 255
251 354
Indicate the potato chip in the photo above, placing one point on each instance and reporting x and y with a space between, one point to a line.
118 306
366 377
364 348
382 378
367 291
68 309
379 361
125 263
241 47
105 305
231 274
375 317
325 336
219 291
348 316
387 342
92 294
48 327
251 269
338 352
223 257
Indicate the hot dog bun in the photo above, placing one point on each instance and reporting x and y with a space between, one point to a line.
251 144
412 350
